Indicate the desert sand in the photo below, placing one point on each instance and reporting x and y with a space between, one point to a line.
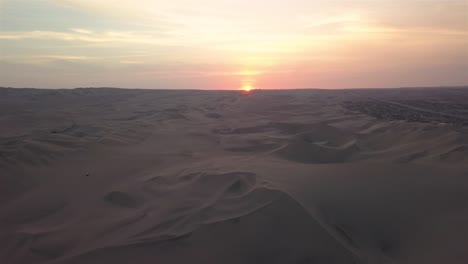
286 176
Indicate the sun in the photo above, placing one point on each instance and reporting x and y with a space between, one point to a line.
247 88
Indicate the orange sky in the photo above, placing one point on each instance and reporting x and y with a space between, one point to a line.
215 44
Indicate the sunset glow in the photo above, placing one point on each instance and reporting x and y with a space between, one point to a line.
247 88
184 44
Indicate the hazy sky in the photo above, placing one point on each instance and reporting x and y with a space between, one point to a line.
221 44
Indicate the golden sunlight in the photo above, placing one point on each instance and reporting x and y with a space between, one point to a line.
247 87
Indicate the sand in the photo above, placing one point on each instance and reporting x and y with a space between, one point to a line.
292 176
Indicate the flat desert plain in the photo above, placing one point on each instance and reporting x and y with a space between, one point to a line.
112 176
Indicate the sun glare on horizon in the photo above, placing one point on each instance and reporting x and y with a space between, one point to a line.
247 88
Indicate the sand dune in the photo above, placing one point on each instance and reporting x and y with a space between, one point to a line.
300 176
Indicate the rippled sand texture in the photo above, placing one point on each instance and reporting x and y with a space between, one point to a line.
299 176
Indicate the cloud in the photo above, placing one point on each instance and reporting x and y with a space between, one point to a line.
82 35
51 58
82 31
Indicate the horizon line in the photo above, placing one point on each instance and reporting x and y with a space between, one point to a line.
205 89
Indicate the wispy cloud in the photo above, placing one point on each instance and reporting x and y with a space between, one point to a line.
82 31
86 36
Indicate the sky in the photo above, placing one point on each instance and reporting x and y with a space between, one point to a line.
221 44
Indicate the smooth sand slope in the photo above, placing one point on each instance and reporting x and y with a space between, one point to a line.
303 176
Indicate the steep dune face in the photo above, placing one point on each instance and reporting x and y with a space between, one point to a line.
281 232
321 144
306 176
